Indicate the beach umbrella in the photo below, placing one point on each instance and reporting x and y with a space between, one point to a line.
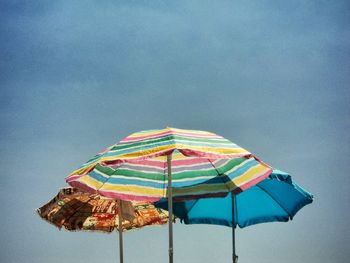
170 163
277 198
75 210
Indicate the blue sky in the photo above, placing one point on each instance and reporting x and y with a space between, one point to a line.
272 76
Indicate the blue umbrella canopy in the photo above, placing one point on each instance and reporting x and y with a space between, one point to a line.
277 198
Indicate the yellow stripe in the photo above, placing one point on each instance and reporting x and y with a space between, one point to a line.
179 156
138 134
193 132
137 190
82 170
90 182
133 189
249 175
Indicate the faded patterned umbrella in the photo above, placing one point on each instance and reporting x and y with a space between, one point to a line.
77 210
184 164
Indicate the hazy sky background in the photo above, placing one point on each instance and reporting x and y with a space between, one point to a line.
78 76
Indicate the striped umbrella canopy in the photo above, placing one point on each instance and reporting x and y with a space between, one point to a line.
203 164
75 210
184 164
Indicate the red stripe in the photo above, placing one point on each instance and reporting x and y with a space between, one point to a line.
127 197
139 138
188 152
82 186
74 177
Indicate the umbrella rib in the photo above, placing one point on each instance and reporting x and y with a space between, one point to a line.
189 210
214 167
219 175
289 215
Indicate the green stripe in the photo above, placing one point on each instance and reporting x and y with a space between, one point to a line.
96 157
124 146
232 163
194 174
138 174
105 169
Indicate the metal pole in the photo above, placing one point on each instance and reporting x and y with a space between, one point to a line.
120 229
234 256
170 208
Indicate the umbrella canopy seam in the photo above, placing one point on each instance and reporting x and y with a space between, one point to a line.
219 175
277 202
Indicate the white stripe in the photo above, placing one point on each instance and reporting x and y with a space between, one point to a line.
100 173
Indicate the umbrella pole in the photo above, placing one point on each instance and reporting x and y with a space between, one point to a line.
234 256
170 208
120 229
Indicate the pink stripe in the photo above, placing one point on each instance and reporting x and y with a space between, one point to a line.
198 135
127 197
187 161
74 177
188 152
143 157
